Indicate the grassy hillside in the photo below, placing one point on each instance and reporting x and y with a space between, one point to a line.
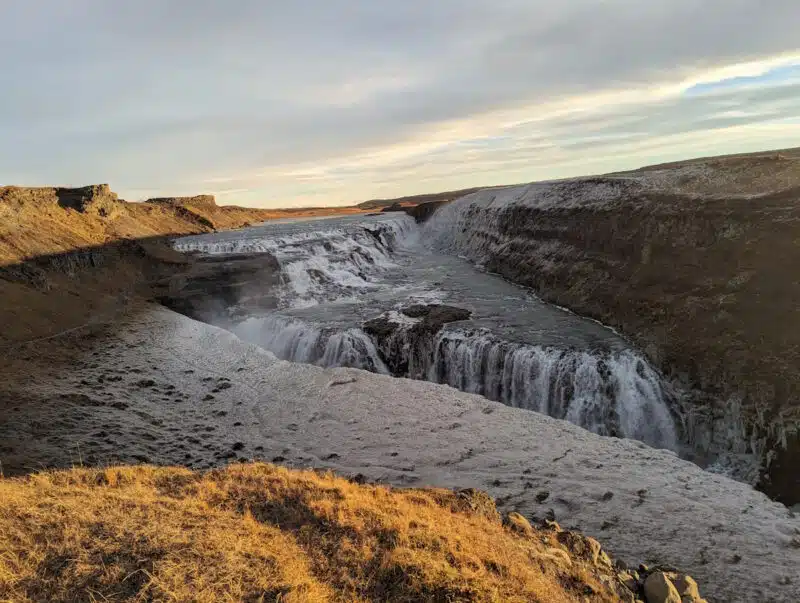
262 533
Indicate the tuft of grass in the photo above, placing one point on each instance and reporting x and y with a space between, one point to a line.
258 532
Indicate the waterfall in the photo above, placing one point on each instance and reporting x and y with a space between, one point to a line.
614 393
331 262
607 391
293 340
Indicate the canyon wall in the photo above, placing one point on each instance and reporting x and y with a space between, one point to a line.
695 262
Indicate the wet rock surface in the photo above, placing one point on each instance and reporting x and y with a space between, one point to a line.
406 347
219 288
431 319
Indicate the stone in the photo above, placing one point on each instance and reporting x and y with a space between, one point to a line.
476 502
659 589
518 524
631 583
687 588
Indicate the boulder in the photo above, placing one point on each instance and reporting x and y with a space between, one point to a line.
518 524
477 502
658 588
584 547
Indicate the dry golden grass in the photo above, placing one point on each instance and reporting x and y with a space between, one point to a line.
263 533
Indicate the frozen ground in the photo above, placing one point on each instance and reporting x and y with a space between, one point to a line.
162 388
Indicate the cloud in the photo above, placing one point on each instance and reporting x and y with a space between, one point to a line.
331 101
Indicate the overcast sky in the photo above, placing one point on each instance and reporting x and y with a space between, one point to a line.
316 102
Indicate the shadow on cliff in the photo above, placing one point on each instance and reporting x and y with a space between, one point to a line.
50 294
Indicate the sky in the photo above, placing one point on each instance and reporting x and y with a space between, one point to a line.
276 103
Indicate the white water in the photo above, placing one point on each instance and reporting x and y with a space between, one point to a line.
333 262
293 340
516 349
615 394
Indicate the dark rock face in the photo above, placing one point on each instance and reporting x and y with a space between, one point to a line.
407 349
703 290
424 211
433 318
217 287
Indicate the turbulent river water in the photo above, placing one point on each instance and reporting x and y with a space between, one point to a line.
338 274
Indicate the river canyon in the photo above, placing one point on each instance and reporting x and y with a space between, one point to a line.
614 352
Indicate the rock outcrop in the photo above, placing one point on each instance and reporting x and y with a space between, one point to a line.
406 342
424 211
96 199
37 221
217 288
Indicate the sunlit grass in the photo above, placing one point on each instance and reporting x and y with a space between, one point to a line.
259 532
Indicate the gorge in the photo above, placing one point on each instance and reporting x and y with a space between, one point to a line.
654 307
678 259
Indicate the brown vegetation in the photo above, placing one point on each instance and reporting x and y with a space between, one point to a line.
261 533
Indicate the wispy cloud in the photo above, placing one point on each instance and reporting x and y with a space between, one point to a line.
332 101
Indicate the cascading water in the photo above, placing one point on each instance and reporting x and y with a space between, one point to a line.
338 275
614 393
325 264
291 339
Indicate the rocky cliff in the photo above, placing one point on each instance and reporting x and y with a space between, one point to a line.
696 263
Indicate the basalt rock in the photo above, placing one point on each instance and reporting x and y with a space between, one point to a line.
404 347
424 211
219 287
